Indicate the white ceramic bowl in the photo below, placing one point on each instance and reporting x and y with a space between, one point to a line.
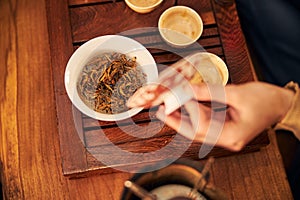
94 47
143 6
180 26
212 68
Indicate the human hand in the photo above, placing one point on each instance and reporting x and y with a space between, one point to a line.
251 108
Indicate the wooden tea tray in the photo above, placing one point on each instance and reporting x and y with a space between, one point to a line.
73 22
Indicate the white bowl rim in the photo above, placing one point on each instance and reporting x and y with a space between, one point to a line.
174 8
144 7
89 46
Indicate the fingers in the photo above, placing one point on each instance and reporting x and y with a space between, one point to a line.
207 92
153 94
206 130
149 95
195 123
199 115
177 121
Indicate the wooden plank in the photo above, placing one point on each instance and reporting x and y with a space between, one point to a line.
249 172
72 151
11 180
200 6
125 134
156 143
30 161
234 45
148 149
151 39
97 19
88 2
208 31
144 115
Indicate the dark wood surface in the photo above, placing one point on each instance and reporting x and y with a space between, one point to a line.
33 157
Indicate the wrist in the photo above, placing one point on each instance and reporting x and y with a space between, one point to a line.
290 120
287 97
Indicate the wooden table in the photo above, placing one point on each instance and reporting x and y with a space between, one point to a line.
34 164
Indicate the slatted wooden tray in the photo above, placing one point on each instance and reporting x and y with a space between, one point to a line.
83 139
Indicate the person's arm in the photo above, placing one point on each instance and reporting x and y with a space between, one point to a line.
252 107
291 121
